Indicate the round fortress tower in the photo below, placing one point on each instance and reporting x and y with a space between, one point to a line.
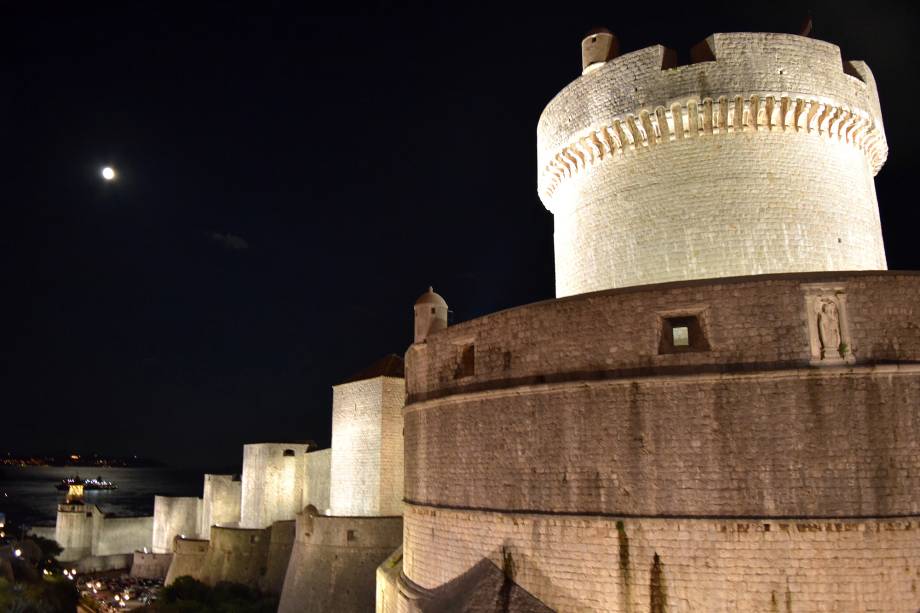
682 441
758 157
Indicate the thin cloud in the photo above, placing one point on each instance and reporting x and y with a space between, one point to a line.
230 241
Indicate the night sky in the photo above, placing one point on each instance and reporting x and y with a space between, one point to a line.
288 186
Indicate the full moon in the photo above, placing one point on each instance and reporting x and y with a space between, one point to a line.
108 173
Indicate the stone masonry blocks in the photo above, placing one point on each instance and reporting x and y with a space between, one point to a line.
617 565
272 483
367 447
777 139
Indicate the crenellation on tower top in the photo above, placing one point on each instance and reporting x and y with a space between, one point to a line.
598 47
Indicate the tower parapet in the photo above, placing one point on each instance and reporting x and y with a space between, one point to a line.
757 158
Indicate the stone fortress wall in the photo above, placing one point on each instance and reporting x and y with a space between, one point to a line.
608 463
239 555
220 503
773 135
334 557
577 563
367 447
335 560
121 535
317 484
273 480
94 540
149 565
209 540
280 547
191 517
84 531
244 531
174 516
187 558
74 530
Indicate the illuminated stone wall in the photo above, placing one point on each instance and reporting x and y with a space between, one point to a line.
588 563
334 561
272 483
239 555
367 448
747 322
387 598
392 455
774 459
150 565
123 535
84 531
280 543
254 557
188 559
773 136
220 503
73 530
174 516
317 486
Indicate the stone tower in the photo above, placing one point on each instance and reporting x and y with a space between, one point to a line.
756 158
335 556
665 438
272 483
430 315
367 445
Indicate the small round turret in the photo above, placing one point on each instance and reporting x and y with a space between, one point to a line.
597 47
430 315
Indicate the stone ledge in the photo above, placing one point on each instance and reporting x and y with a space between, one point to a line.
710 116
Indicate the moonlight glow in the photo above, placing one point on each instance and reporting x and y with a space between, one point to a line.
108 173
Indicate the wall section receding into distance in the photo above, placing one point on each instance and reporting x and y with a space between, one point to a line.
83 530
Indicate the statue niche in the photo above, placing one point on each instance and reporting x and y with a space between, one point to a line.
826 319
829 334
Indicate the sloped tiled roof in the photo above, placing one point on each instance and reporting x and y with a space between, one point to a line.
387 366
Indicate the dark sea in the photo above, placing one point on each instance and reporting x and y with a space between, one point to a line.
28 496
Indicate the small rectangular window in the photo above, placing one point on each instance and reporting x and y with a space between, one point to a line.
351 535
682 334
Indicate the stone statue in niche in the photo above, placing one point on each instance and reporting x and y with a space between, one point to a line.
829 328
828 324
